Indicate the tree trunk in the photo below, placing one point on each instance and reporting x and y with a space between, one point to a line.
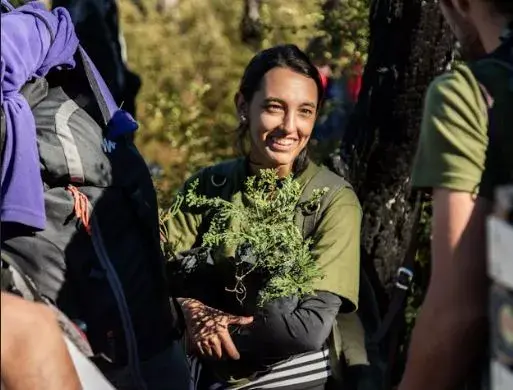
409 45
251 26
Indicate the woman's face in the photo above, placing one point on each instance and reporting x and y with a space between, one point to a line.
281 118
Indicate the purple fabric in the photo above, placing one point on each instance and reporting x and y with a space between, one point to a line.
28 51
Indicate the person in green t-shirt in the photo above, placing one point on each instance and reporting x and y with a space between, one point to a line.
279 97
465 152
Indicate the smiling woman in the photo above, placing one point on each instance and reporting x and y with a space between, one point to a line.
279 97
284 343
283 113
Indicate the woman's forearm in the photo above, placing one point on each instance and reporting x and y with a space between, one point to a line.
288 326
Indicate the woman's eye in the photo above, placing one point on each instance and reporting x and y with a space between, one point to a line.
273 108
306 112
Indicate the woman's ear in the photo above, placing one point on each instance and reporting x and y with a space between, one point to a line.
240 105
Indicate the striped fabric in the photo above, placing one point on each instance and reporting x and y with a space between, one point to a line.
307 371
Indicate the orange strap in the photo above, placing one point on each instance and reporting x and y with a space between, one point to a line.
81 207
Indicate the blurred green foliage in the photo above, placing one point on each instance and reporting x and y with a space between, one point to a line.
191 60
344 31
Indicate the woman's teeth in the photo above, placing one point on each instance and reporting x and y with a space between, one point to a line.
283 141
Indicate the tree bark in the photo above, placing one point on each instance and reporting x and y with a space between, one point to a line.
251 25
409 45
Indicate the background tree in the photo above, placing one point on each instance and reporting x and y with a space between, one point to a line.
345 30
409 45
251 27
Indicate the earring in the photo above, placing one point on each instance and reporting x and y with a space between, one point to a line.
243 119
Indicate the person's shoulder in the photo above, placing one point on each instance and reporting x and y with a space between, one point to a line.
455 100
214 178
346 196
330 176
343 192
453 136
458 85
226 167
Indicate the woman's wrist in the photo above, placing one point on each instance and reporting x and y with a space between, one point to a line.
188 302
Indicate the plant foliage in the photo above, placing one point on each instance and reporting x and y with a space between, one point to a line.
264 230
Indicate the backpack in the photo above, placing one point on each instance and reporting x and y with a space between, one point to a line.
494 74
99 259
363 362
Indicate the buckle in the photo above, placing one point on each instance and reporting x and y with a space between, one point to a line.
218 180
404 278
309 209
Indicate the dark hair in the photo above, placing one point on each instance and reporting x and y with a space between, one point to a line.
283 56
504 7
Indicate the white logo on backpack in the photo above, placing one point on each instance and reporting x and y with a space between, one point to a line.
108 146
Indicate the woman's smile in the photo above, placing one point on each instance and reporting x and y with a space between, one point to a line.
281 144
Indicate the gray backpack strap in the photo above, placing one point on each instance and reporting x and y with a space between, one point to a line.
307 219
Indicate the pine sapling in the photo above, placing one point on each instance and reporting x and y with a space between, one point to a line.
265 226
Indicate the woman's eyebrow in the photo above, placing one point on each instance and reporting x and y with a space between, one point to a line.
309 104
274 100
283 102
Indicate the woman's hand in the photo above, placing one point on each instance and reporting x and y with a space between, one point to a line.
207 328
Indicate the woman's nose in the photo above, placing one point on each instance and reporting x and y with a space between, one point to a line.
289 122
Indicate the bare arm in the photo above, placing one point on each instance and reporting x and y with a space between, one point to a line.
449 335
33 352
